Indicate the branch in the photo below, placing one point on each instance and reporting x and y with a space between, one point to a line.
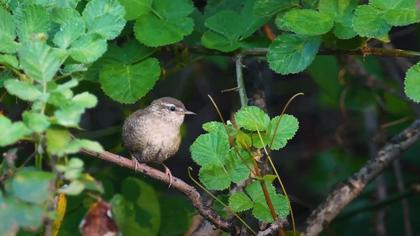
364 51
177 183
354 185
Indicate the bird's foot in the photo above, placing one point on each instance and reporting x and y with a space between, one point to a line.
136 163
169 174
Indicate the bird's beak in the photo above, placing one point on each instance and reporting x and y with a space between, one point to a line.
189 113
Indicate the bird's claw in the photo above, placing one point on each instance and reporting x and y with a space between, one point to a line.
169 174
136 163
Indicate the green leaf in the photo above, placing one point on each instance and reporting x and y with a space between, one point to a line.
104 17
287 129
129 83
32 186
57 140
213 126
9 60
228 29
130 52
11 132
261 210
74 188
342 13
7 33
137 211
36 121
88 48
72 170
69 31
214 178
402 16
369 21
40 61
307 22
291 53
210 149
15 214
22 90
177 211
386 5
252 118
135 8
412 83
271 7
238 165
69 115
85 100
33 22
77 144
167 23
239 201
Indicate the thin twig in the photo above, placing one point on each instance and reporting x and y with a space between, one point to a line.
177 183
344 193
240 80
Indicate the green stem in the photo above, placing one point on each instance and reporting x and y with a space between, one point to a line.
240 80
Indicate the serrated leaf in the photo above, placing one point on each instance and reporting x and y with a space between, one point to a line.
412 83
238 165
402 16
261 210
85 99
32 186
129 83
69 31
252 118
77 144
7 32
271 7
386 5
9 60
104 17
11 132
290 53
22 90
135 8
239 201
33 22
69 115
130 52
287 129
64 15
342 13
165 25
57 140
40 61
36 121
214 177
228 29
210 149
307 22
369 21
213 126
88 48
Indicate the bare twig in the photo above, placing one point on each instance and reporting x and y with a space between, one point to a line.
177 183
344 193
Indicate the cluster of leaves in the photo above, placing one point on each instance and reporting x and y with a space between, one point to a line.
229 154
45 46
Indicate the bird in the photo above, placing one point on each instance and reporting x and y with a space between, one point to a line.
152 135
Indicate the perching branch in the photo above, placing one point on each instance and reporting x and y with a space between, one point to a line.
354 185
240 80
177 183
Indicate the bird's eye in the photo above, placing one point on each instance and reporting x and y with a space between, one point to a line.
172 108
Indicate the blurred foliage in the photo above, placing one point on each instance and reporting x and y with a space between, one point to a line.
68 68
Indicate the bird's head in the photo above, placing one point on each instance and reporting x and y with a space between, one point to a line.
169 109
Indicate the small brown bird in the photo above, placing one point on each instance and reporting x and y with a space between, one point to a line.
152 134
